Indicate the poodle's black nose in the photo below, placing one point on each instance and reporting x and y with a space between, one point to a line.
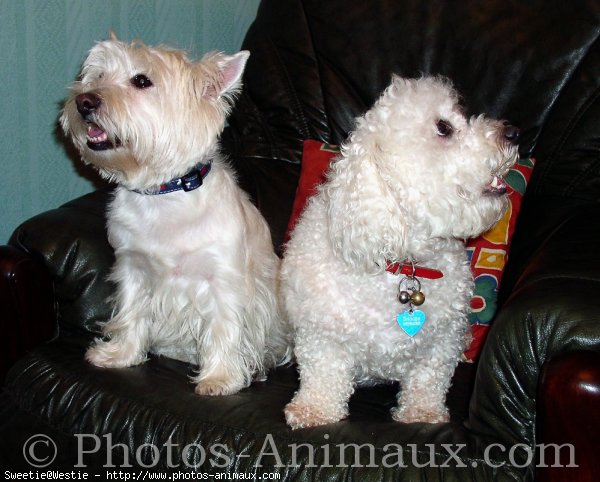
511 134
87 104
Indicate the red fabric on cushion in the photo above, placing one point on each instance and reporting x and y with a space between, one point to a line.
316 157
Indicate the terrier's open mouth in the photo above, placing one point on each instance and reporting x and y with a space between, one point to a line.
496 187
97 139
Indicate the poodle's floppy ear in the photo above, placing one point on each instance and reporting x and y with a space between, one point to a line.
366 220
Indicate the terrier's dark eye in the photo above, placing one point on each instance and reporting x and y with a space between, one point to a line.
444 128
141 81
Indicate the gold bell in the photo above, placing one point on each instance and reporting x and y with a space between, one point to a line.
417 298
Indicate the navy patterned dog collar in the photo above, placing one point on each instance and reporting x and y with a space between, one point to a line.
190 181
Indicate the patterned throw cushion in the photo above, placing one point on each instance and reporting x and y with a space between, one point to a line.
488 253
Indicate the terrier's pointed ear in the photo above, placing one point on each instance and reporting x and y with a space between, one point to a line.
228 79
112 35
232 70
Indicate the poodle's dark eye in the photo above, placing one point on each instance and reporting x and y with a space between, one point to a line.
141 81
444 128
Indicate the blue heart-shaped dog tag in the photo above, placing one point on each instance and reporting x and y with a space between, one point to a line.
411 321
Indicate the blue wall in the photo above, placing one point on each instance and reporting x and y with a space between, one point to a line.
42 46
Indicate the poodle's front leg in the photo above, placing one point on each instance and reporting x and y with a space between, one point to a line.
326 383
423 391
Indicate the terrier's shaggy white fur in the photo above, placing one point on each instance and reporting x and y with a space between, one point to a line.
414 179
195 271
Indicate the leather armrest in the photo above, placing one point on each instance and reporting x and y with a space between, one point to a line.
568 416
28 306
71 243
553 308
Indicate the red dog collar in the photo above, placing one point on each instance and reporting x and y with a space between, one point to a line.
409 269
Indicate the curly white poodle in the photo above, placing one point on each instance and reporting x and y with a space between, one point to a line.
375 278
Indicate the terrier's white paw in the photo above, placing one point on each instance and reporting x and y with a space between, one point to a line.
214 386
109 354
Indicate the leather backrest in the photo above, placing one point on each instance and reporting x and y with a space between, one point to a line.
316 65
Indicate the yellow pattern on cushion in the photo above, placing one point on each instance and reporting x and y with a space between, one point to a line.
491 259
499 233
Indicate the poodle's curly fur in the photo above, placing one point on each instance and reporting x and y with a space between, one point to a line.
415 179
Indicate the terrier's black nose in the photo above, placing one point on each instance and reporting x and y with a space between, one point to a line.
87 104
511 134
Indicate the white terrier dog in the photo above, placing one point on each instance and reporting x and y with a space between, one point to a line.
195 269
383 231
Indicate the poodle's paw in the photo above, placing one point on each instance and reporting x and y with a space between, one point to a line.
214 386
112 354
420 414
302 415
